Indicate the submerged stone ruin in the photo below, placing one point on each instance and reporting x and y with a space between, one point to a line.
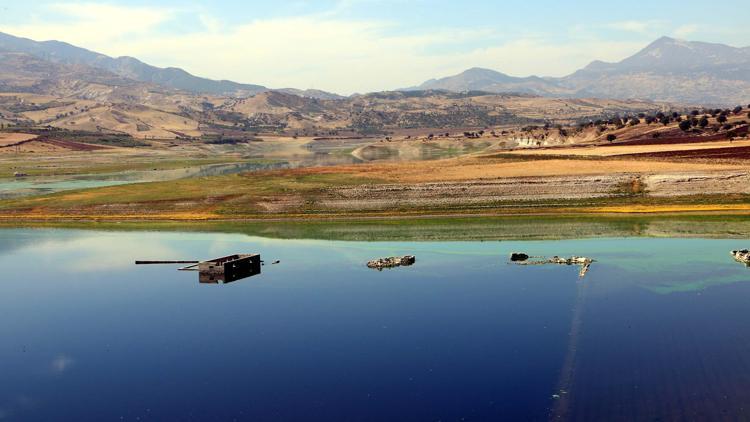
742 256
520 258
392 262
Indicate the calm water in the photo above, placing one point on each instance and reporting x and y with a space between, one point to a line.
658 329
262 156
39 185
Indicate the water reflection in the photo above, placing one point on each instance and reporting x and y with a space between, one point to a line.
659 330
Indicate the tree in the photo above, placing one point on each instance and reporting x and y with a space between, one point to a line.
722 118
737 110
703 122
664 120
611 138
685 125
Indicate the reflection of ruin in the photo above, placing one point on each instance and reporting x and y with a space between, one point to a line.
220 270
561 407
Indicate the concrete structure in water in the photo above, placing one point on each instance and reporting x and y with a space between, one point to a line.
229 268
219 270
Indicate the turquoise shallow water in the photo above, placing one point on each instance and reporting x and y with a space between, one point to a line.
658 329
39 185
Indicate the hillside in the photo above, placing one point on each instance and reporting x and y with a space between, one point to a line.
56 87
144 113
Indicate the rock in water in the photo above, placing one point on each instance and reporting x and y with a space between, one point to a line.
518 256
742 256
392 262
583 261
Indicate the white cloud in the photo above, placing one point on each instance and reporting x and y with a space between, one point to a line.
88 253
639 27
92 24
685 31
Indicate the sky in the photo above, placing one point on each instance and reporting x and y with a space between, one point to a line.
349 46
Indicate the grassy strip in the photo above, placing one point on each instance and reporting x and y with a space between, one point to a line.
290 194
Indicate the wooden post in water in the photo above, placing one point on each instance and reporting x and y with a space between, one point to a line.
164 262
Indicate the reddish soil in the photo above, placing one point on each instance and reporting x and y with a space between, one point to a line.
738 153
75 146
686 139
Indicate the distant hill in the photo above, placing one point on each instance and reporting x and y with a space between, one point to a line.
21 72
487 80
311 93
666 70
129 67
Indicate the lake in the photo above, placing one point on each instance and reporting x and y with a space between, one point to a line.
258 156
659 328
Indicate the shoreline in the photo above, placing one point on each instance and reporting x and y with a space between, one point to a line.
738 210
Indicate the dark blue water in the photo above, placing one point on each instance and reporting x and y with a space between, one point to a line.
658 329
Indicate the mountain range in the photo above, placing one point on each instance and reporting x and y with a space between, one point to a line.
668 70
58 52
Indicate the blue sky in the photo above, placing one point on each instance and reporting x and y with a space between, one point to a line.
368 45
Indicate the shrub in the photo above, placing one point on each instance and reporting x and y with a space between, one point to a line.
722 118
611 137
685 125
